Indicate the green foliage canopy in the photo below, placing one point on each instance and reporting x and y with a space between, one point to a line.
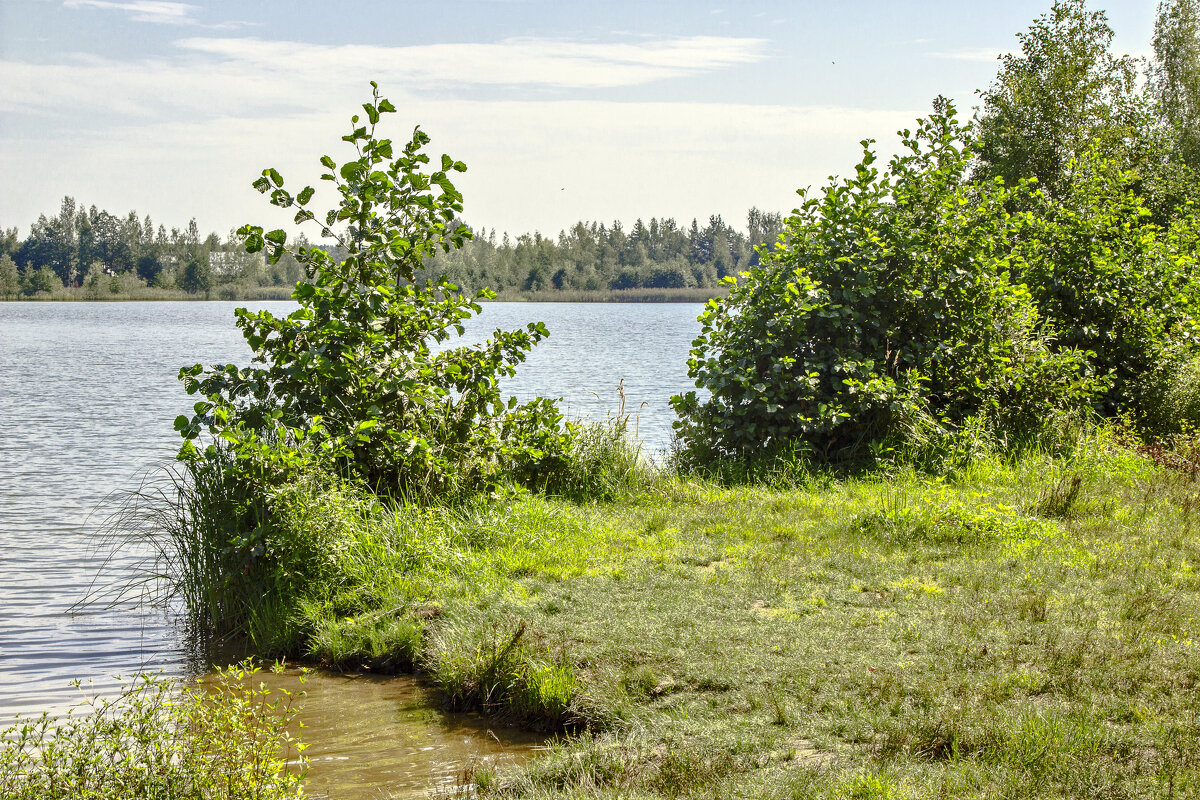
1112 281
10 279
1175 78
1064 92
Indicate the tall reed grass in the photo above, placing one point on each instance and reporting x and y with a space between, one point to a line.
210 551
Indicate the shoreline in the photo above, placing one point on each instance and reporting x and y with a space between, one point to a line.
696 295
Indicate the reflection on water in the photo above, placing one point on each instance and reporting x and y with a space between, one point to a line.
371 737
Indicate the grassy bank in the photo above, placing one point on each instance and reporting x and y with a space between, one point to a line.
1017 630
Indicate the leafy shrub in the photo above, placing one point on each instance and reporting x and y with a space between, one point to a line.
1110 280
889 308
225 739
1169 395
353 381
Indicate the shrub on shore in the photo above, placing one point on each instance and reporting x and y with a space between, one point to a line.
223 739
914 313
351 382
892 313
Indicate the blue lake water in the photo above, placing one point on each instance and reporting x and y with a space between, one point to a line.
88 394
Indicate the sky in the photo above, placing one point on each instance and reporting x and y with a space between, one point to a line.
562 110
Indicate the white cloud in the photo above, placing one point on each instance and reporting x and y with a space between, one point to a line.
532 165
242 75
540 62
184 136
142 10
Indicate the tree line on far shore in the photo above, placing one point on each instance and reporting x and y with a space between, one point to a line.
98 253
102 254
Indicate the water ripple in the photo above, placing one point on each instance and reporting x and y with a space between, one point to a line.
88 393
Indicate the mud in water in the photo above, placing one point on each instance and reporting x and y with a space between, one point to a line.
371 737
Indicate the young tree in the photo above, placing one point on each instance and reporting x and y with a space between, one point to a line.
196 277
10 281
357 380
10 241
40 280
1064 91
1175 75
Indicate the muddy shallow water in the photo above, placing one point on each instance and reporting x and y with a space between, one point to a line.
372 737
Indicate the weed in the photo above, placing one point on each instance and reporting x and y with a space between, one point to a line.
226 739
1058 500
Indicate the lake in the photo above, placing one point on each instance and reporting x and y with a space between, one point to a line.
88 396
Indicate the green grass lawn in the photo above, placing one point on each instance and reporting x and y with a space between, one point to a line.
1014 631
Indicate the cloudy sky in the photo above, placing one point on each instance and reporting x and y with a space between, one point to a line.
562 110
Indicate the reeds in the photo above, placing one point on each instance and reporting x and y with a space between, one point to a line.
201 539
686 295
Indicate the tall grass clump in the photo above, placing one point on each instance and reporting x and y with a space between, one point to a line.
223 739
604 461
239 559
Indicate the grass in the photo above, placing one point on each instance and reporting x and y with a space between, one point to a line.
225 739
1018 629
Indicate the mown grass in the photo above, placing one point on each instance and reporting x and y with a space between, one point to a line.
1015 629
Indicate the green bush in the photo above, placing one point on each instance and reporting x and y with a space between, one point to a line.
1110 280
224 739
888 311
1170 395
354 380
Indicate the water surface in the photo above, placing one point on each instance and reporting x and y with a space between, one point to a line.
88 395
367 732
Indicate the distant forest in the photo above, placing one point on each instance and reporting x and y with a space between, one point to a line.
88 251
